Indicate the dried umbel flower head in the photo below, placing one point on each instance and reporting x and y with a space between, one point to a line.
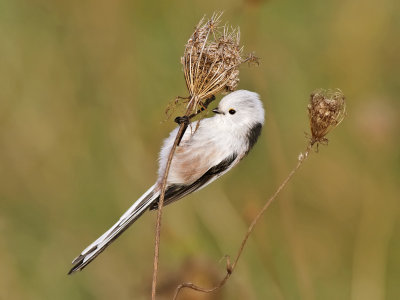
326 110
211 60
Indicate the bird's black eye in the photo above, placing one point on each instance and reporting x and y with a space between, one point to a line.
232 111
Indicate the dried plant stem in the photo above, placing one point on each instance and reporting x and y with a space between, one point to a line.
231 267
179 135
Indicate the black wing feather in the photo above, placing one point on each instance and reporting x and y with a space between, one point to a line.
252 136
175 192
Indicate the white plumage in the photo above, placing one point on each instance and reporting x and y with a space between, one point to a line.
207 151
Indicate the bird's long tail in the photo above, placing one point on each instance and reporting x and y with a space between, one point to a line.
128 218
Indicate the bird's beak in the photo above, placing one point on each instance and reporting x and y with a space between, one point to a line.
215 110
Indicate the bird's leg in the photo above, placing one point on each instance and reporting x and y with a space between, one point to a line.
186 119
203 106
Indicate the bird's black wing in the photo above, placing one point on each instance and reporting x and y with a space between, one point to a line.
175 192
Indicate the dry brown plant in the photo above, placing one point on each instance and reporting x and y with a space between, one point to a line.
211 60
326 110
211 63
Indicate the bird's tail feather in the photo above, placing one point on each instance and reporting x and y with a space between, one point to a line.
128 218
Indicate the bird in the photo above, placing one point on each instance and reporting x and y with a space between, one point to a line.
208 149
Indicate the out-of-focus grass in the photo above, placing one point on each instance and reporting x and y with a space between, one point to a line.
83 89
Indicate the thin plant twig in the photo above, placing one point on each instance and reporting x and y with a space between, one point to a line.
182 128
231 267
179 135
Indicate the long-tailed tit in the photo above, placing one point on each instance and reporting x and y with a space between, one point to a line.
207 150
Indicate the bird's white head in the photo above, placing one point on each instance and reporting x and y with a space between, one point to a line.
241 108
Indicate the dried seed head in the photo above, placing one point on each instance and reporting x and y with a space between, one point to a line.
326 110
211 59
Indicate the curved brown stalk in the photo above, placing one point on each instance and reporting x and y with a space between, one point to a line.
182 128
231 267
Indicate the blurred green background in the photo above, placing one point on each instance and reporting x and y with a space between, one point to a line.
83 90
